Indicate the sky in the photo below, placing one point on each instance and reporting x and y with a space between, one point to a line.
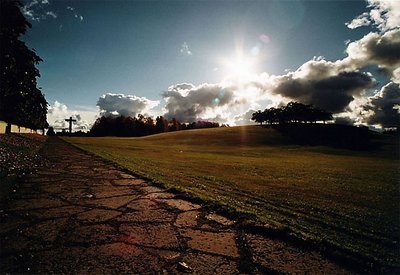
216 60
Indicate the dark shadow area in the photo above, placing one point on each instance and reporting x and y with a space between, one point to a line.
334 135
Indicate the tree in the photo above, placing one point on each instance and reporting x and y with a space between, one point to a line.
161 124
292 112
21 102
51 132
258 117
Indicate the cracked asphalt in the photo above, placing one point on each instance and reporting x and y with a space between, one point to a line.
82 215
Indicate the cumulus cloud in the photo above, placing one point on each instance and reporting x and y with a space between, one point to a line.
323 84
58 112
125 105
188 103
384 14
382 50
185 49
37 10
385 107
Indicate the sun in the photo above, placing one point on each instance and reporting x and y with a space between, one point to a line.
240 67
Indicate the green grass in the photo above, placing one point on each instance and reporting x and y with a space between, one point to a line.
346 199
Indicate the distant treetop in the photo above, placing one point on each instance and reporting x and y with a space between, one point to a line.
292 112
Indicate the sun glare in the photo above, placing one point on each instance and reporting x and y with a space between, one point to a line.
240 67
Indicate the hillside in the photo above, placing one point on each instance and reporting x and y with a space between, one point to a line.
334 197
329 135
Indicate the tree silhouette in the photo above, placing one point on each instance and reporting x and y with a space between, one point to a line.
258 117
293 112
161 124
21 102
141 126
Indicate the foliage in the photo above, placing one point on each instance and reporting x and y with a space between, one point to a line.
345 199
50 131
141 126
292 112
21 102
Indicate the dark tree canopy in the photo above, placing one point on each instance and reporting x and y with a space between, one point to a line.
292 112
142 126
21 102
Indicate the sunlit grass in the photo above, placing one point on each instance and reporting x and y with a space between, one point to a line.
345 198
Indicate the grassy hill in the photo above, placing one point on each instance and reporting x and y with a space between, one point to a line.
339 198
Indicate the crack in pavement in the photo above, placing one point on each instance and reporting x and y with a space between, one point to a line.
81 214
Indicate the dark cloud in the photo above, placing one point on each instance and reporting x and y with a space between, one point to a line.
332 93
382 50
344 120
385 106
126 105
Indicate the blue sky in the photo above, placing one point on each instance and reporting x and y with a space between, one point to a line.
141 48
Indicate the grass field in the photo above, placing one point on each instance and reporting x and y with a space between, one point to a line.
346 199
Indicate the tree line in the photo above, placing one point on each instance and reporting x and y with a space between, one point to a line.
141 125
292 112
21 101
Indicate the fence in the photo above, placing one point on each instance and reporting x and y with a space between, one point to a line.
15 129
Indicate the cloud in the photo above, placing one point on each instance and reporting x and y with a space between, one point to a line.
322 83
37 10
384 14
189 103
362 20
75 13
382 50
51 14
80 17
125 105
245 118
185 49
58 112
385 107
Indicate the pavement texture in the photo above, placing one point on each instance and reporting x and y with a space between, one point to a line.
82 215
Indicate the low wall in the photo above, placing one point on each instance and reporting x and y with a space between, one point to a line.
15 129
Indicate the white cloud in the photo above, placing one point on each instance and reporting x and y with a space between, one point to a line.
384 14
70 8
77 16
219 102
52 14
185 49
37 10
125 105
362 20
58 112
